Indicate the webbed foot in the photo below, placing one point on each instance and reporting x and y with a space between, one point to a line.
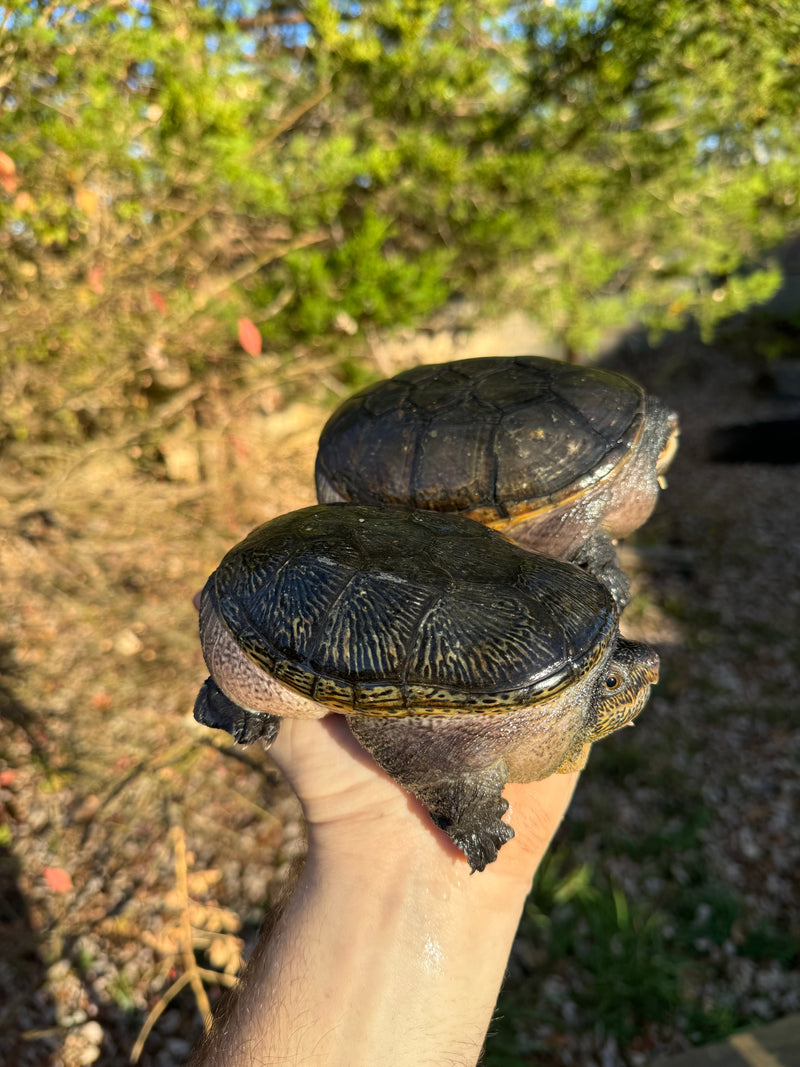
469 810
599 557
212 708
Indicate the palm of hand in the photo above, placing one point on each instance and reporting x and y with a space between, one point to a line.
345 793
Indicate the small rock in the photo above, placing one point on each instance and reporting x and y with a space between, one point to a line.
181 460
345 323
127 643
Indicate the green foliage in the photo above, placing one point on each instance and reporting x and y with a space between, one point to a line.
768 942
625 962
629 976
628 958
287 163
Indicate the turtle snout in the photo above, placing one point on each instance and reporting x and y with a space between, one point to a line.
640 661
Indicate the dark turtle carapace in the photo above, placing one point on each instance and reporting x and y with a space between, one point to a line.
459 660
563 458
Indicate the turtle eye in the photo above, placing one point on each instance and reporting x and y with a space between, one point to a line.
613 681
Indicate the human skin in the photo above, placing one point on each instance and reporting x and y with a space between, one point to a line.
388 951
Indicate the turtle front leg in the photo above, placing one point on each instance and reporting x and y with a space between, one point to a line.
467 804
212 708
469 810
575 761
598 556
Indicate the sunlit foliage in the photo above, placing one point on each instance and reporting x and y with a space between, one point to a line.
170 168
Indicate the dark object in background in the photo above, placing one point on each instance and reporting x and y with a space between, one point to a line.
37 525
776 441
782 380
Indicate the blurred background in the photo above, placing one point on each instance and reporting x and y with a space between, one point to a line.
217 220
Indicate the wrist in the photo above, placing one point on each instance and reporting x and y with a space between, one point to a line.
406 926
402 847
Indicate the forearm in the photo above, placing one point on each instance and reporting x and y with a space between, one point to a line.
369 978
383 955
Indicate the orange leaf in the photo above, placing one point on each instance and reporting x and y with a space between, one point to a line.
239 446
86 201
158 301
58 879
94 276
24 201
8 173
7 777
249 337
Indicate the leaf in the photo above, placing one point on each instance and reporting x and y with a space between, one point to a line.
158 301
8 173
239 446
24 201
249 337
94 278
58 879
86 201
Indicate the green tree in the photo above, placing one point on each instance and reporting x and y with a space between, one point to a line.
168 168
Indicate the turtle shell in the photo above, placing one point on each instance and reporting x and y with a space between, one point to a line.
388 611
495 438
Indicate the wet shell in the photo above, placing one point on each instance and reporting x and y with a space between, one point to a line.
487 437
392 612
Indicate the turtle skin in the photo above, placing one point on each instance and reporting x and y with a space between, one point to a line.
459 660
563 458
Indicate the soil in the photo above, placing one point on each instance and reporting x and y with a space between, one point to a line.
136 845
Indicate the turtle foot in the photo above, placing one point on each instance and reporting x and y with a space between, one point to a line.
212 708
599 557
425 758
469 810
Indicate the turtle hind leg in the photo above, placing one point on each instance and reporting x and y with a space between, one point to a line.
469 810
212 708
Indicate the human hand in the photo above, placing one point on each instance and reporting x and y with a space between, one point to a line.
347 799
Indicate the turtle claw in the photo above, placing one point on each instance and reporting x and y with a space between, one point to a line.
480 846
212 708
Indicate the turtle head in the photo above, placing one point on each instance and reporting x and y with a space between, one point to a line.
638 481
623 686
670 432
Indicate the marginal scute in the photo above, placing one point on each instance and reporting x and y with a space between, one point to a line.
297 676
334 694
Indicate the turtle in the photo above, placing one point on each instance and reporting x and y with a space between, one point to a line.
459 660
563 458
